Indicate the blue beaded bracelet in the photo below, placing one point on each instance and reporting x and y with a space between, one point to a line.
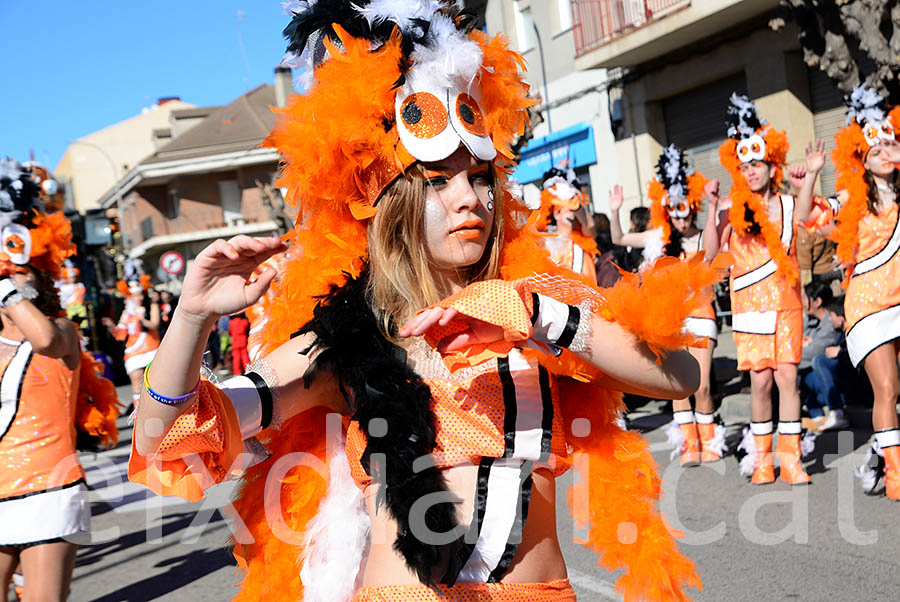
169 401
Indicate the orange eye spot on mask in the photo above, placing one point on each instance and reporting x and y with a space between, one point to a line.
470 115
15 244
423 115
743 150
754 147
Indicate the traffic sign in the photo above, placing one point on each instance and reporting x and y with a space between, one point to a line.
171 262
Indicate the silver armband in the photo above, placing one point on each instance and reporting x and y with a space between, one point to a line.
561 326
10 293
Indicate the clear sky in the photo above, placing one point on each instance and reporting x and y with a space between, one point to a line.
73 67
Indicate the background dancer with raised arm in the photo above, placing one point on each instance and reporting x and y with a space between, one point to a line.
676 195
866 211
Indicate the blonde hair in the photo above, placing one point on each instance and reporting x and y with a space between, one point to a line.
401 281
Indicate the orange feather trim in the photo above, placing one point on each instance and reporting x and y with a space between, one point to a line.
850 148
271 563
122 287
51 242
97 405
659 215
741 196
615 466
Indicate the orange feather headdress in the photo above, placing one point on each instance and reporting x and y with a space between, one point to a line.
751 138
29 237
387 90
676 191
868 122
560 188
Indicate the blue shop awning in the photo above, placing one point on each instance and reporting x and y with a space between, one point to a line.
575 143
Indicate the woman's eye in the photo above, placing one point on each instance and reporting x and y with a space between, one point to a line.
437 181
481 178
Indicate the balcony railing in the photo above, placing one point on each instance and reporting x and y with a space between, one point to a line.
598 22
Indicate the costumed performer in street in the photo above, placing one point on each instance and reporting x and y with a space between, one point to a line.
676 196
866 157
419 314
137 328
52 399
566 218
761 233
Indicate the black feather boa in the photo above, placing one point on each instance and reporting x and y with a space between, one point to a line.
378 384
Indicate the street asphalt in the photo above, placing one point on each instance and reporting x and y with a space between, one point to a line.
827 541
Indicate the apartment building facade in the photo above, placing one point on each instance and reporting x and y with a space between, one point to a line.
573 101
676 62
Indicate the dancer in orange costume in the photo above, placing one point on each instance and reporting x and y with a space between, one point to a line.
49 391
464 368
564 209
868 237
676 196
137 329
765 288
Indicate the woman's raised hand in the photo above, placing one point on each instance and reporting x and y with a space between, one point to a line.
616 198
711 188
815 155
218 282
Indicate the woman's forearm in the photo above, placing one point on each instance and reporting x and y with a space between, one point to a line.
710 235
615 228
174 372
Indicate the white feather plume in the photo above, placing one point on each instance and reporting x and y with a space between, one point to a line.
748 462
865 105
807 444
717 443
449 58
402 12
744 106
868 476
653 248
335 539
675 437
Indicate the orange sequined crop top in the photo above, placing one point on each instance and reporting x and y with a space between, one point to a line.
503 408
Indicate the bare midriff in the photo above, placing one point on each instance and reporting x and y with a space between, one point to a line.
538 558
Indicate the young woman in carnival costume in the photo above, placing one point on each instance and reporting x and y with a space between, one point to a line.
52 398
868 237
417 296
564 212
676 196
765 288
137 328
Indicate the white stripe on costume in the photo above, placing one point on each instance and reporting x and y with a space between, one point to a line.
872 331
142 338
244 396
577 258
881 257
503 511
47 515
529 408
755 322
787 237
139 362
702 327
11 386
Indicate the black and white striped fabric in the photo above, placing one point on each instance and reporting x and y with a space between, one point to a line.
504 484
11 384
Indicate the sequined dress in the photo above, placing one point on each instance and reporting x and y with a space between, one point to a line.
42 488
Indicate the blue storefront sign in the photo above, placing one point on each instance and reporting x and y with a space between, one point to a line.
575 143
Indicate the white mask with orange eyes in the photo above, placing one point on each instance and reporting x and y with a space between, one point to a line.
751 149
16 242
433 122
876 131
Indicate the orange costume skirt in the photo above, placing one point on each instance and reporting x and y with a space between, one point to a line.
555 591
761 351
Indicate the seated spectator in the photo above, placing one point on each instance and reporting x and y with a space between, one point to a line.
819 335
